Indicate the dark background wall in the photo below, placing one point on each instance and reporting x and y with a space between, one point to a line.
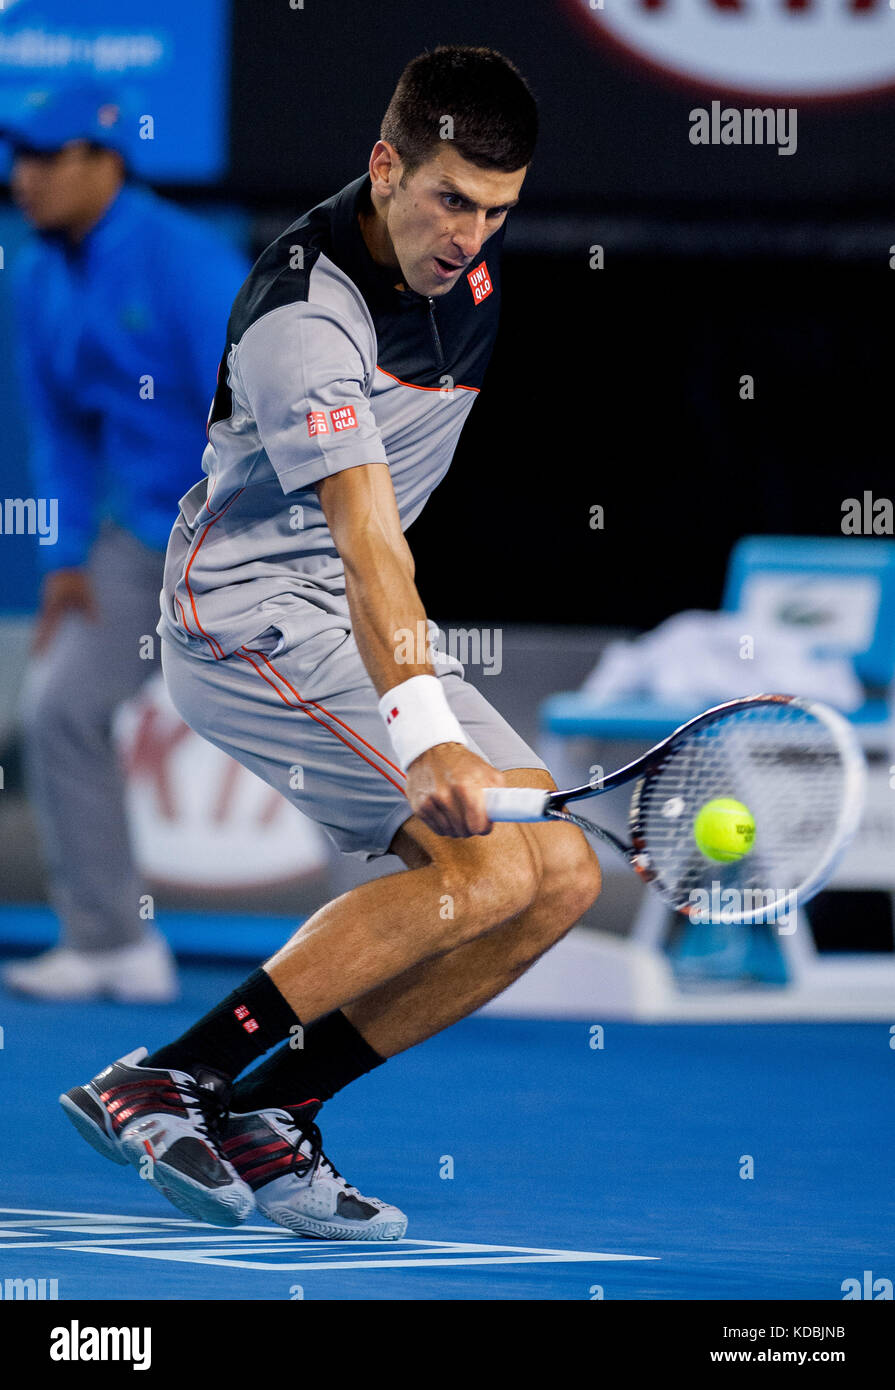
621 388
309 86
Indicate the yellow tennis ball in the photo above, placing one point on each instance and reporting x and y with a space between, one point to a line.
724 830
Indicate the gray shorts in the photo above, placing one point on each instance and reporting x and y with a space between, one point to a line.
306 720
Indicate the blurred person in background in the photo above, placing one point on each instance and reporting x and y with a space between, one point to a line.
121 305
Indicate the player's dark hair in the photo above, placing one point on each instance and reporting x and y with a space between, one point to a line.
493 113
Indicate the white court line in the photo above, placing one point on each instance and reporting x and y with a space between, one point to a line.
207 1257
274 1241
221 1247
98 1216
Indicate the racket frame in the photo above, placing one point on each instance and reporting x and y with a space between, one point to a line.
650 763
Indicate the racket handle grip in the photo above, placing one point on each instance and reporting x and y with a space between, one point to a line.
515 803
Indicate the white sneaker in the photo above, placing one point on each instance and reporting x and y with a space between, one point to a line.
141 974
279 1154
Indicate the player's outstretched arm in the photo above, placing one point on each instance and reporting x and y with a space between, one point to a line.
444 778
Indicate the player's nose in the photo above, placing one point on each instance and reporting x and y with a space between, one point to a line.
469 241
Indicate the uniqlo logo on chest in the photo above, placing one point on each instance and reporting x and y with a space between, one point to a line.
344 418
317 423
480 283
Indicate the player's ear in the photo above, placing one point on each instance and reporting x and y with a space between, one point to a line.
385 168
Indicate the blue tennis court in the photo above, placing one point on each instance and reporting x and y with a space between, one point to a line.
577 1172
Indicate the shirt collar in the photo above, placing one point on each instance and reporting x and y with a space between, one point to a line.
376 282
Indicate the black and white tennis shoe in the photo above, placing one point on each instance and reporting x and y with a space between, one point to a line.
168 1125
279 1153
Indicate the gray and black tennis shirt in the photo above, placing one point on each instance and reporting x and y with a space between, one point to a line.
327 366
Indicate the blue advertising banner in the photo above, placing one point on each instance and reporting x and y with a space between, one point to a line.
167 64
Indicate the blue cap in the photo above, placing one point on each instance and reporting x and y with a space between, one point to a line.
47 119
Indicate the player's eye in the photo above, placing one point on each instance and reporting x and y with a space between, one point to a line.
454 201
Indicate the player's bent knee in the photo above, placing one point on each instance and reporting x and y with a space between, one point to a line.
586 888
488 885
571 879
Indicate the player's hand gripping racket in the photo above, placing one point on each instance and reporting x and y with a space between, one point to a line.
794 765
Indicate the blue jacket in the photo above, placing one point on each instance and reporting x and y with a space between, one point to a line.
120 338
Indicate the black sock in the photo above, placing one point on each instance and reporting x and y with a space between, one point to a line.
245 1025
333 1054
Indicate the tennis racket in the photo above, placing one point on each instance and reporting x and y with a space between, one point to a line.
796 764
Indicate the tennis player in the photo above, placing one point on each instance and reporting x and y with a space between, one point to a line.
355 351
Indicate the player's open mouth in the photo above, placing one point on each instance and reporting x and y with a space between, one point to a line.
446 268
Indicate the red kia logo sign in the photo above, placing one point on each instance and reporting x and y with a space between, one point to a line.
782 48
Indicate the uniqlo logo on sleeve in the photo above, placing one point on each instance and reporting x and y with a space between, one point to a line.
317 423
344 418
241 1012
480 283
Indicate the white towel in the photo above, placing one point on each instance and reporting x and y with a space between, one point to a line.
701 658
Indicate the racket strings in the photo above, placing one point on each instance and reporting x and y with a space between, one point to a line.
781 762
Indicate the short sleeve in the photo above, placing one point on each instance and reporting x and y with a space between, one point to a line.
302 372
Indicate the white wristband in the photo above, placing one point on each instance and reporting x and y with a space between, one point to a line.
418 716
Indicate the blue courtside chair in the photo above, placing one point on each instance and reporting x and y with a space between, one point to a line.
799 577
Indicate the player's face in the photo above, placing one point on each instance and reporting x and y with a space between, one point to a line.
54 190
442 215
